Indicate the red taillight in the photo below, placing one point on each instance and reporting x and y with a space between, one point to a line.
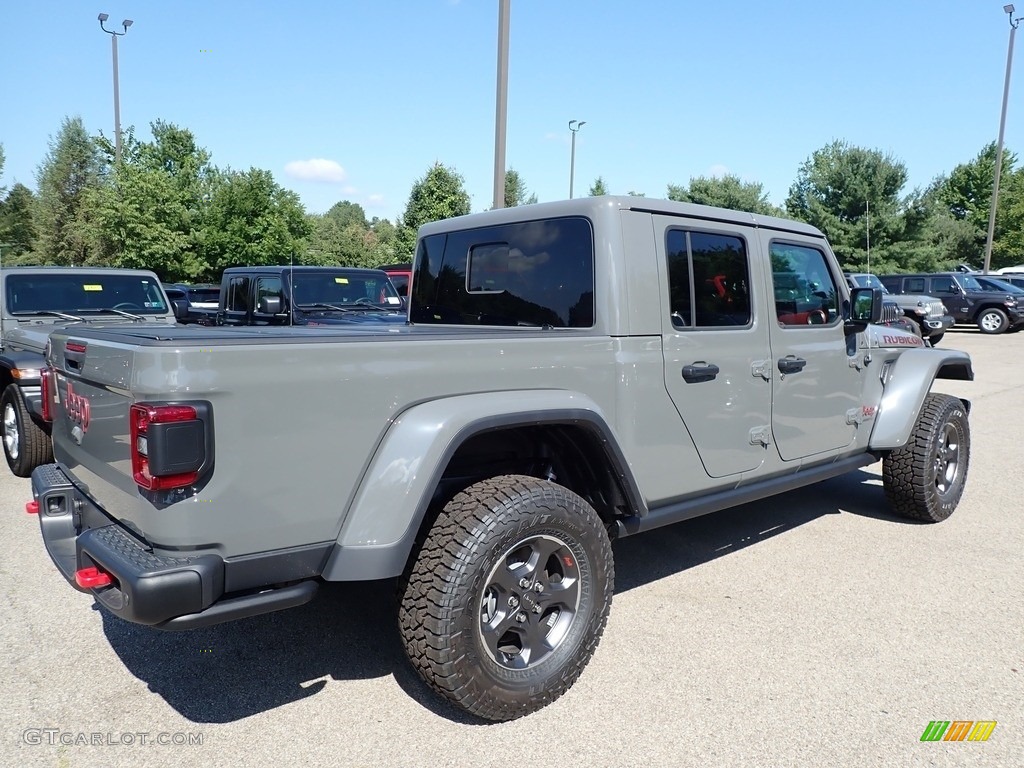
32 507
92 577
75 346
47 388
143 416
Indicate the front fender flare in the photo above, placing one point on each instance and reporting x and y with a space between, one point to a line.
907 383
391 501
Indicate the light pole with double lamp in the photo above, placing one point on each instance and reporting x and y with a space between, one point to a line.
574 126
117 99
999 143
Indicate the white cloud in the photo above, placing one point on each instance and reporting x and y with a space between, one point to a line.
317 169
375 199
717 171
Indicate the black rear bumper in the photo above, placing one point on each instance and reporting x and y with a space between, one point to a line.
170 592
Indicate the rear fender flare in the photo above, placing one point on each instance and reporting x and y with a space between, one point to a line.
395 491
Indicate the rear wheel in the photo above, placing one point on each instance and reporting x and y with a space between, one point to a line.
992 320
26 445
925 479
509 596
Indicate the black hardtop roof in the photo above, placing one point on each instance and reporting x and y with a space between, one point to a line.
286 268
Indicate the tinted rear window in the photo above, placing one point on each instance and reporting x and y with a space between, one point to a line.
535 273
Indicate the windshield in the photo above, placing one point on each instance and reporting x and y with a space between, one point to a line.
340 289
83 293
970 283
868 281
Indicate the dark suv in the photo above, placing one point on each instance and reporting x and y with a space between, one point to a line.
965 299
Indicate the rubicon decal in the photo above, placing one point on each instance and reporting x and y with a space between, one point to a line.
958 730
902 341
77 407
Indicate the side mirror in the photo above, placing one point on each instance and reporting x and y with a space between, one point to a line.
180 308
865 309
269 305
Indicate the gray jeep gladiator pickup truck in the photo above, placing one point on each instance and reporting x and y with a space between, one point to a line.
34 301
572 372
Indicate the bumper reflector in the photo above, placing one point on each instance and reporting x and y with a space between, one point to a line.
32 507
91 577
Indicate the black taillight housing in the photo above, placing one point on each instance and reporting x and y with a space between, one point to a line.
171 444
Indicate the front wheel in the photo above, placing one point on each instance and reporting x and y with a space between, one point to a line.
509 596
26 445
925 479
992 320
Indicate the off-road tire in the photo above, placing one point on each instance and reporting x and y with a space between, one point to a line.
992 320
26 445
925 479
455 619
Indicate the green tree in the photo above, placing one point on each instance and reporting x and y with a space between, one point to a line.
598 188
852 194
66 177
725 192
516 193
440 194
17 226
251 220
3 190
151 210
966 195
345 213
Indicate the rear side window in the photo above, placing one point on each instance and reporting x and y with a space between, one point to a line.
709 280
531 274
915 285
238 295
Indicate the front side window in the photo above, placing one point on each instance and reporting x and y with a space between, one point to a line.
527 274
915 285
709 280
804 290
944 285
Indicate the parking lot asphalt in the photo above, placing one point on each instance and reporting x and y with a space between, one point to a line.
811 629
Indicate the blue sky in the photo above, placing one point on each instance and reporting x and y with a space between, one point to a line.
376 92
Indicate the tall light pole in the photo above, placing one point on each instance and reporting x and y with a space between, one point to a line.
501 108
999 143
574 126
117 97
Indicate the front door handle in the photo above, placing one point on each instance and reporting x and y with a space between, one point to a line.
699 371
791 364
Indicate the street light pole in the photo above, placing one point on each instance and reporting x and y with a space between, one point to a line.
999 143
501 108
117 97
574 126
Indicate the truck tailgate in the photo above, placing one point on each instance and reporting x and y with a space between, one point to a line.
91 420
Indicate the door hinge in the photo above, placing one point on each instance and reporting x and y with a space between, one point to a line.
855 416
761 436
762 368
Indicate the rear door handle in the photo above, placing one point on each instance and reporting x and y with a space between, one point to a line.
699 371
791 364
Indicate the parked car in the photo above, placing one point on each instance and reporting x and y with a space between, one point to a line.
1002 285
927 313
401 276
964 297
1009 277
196 296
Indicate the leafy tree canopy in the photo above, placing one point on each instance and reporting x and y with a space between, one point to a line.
727 191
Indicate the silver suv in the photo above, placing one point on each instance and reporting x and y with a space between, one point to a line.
928 312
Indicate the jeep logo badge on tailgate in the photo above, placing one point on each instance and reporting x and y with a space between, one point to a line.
77 407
